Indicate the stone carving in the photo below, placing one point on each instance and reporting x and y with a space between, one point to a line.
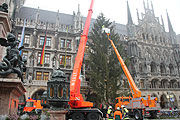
4 7
58 74
12 62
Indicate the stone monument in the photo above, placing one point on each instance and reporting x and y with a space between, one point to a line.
11 69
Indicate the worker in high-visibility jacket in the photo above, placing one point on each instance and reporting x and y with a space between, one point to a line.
117 114
125 113
110 113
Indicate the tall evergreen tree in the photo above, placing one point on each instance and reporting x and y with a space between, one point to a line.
105 69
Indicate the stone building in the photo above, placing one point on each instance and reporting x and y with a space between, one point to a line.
63 35
154 53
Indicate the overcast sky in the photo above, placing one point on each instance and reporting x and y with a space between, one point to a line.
115 10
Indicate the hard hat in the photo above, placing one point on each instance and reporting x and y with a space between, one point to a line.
110 107
122 106
118 108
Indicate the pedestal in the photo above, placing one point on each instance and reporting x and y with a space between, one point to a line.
57 114
10 91
4 28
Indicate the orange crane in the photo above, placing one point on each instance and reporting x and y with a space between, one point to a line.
139 106
81 109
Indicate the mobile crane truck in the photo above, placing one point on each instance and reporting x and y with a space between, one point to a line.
138 106
80 109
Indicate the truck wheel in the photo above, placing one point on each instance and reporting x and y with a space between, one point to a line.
137 115
77 116
153 115
93 116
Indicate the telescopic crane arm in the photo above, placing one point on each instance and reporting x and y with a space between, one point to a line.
134 90
76 99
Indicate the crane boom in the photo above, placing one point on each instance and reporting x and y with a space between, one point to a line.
76 99
137 92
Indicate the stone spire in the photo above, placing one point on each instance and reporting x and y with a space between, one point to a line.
37 18
137 15
57 20
35 29
152 8
169 24
172 34
78 13
144 6
130 21
162 23
148 4
130 26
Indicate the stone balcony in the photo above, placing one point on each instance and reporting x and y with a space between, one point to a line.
44 83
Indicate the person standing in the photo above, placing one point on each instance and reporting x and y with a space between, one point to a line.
110 113
117 114
125 113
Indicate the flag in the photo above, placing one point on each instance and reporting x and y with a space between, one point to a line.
65 48
22 37
43 48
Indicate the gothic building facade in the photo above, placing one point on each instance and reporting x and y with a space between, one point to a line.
154 53
62 37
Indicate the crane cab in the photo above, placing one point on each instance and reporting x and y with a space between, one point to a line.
122 101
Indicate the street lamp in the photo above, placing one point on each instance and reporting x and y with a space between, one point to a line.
58 90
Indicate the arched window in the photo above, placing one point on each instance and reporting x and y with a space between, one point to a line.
143 36
173 84
51 91
162 68
164 83
140 67
171 69
152 37
147 37
153 67
154 83
60 91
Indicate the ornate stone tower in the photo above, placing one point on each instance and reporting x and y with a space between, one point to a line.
154 55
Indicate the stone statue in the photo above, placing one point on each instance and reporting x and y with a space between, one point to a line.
4 7
12 62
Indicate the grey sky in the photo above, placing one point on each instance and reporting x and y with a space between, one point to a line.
116 10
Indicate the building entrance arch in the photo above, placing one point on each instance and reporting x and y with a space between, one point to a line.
163 101
37 94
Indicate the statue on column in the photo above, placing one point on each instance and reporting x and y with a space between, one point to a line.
12 62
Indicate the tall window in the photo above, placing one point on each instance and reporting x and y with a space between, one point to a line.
41 40
48 41
19 37
61 60
24 75
38 75
68 43
68 60
141 83
46 76
62 43
47 58
25 54
27 38
39 57
51 91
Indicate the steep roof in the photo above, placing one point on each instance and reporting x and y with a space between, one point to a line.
67 19
45 15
